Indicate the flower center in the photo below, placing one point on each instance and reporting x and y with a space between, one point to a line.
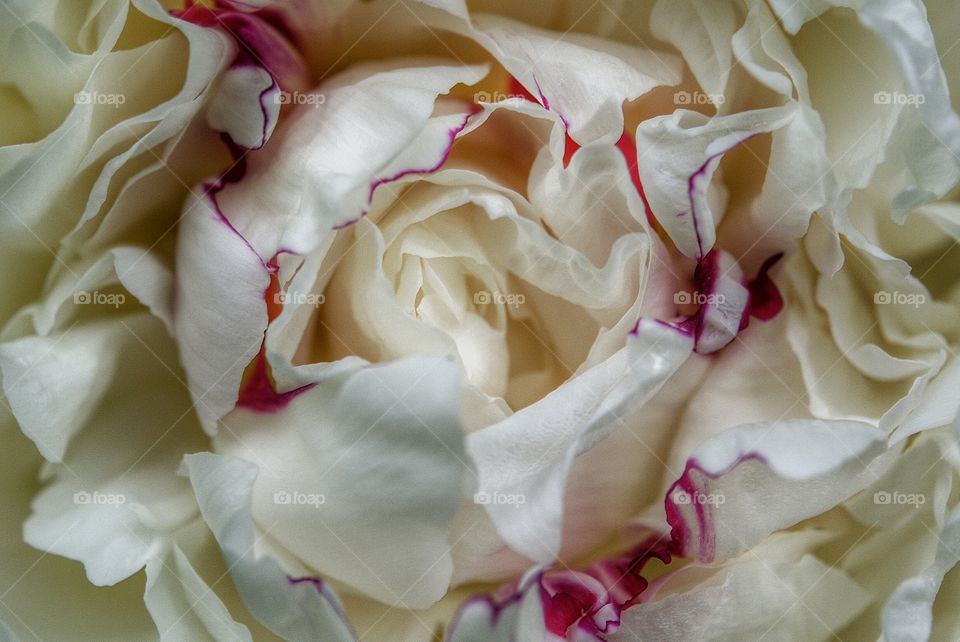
458 279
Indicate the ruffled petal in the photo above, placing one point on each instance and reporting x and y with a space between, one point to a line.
518 615
583 79
763 594
752 480
677 156
246 106
292 610
702 32
526 458
83 610
322 171
114 514
221 312
361 477
183 605
54 383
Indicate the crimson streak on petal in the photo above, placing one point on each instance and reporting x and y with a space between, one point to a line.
453 134
589 601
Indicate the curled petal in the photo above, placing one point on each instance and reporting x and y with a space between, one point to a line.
677 156
752 480
529 454
292 610
383 447
246 106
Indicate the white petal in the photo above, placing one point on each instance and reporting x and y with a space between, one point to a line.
755 378
591 203
795 14
753 597
245 106
937 405
383 448
183 606
905 512
483 619
908 614
761 48
794 187
677 156
83 611
725 310
148 278
903 26
752 480
322 170
292 610
47 184
113 513
529 454
53 384
851 70
584 79
221 312
144 274
702 32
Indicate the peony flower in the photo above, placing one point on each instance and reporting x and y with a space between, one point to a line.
480 321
